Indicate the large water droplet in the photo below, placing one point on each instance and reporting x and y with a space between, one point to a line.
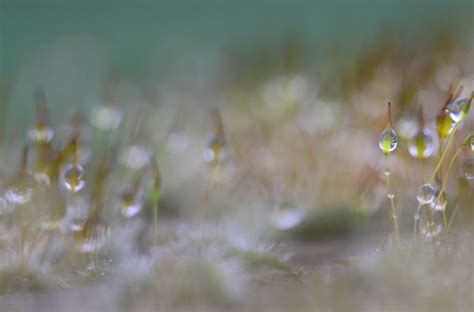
72 177
388 140
135 156
467 168
40 134
287 218
216 149
425 194
444 124
131 203
19 191
421 145
457 110
106 117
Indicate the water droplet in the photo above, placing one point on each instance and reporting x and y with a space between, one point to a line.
441 203
421 145
391 195
457 108
388 140
444 124
131 203
467 168
287 218
417 216
425 194
92 239
216 149
72 177
40 134
106 117
387 172
430 223
135 156
20 190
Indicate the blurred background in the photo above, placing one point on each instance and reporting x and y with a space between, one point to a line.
264 118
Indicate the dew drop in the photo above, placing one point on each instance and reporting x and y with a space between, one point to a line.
425 194
131 203
287 218
20 190
72 177
421 145
441 203
390 195
388 140
387 172
457 110
430 223
467 167
135 156
40 134
216 149
444 124
106 117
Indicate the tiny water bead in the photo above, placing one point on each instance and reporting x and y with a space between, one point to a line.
425 194
444 124
421 145
40 134
388 140
386 172
467 168
106 117
135 156
430 223
131 203
72 177
390 195
216 149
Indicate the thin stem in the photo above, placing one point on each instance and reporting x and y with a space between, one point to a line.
452 218
445 151
416 219
392 203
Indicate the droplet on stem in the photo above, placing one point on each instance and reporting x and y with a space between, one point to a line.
425 194
72 177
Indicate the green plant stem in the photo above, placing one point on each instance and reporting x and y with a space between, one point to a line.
440 161
392 204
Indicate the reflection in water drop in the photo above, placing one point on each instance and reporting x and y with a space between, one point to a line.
20 190
216 149
430 222
421 145
457 110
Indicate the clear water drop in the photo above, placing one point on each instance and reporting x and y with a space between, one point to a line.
391 195
72 177
131 203
444 124
40 134
386 172
467 168
425 194
106 117
388 140
216 149
421 145
430 223
456 108
20 190
440 203
135 156
287 218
